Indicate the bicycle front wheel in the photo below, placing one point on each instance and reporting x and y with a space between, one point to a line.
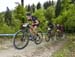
47 37
38 38
20 40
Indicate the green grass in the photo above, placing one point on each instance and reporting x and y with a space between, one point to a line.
68 50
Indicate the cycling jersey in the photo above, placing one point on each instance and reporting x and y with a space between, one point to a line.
50 25
33 19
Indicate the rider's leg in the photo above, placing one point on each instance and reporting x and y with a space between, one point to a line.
35 29
31 30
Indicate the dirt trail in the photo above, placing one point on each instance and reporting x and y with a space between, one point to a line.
45 49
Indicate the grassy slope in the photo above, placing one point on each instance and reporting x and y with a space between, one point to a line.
68 50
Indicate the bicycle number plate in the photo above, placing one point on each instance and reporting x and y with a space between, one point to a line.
25 25
49 28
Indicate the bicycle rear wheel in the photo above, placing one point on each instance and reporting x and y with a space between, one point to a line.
20 40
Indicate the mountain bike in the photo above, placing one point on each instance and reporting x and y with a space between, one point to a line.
49 35
22 37
60 35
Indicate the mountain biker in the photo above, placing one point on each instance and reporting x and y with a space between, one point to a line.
50 27
58 28
34 23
